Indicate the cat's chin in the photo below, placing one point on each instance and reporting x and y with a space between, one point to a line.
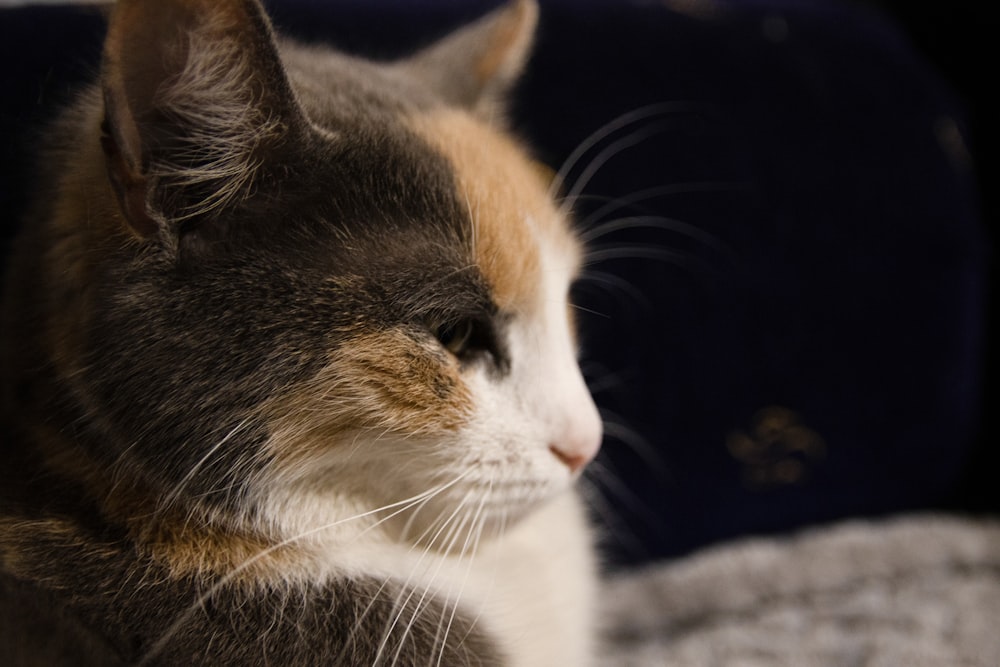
450 518
481 502
457 526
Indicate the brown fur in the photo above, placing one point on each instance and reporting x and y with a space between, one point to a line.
507 201
384 382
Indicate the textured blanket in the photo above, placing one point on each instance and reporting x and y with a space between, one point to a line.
909 592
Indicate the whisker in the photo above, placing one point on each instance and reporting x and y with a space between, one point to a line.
606 478
453 533
602 471
684 260
646 452
364 613
453 601
183 618
657 222
612 126
602 158
626 201
610 280
608 380
603 512
473 226
400 604
582 309
623 251
476 529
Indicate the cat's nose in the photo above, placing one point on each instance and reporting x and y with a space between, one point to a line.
580 438
574 462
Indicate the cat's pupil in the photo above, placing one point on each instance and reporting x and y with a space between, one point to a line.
455 337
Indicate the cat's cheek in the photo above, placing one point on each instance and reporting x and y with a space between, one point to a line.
377 388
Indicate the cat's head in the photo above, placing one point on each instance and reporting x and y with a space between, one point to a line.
309 282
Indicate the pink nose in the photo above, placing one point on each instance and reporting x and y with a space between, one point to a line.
580 444
573 461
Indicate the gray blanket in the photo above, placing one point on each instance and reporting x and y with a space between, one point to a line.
910 592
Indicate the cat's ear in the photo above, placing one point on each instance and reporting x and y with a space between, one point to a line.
476 66
195 97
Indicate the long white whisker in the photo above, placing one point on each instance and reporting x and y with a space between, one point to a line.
400 604
605 476
425 598
584 309
434 526
453 600
609 282
160 643
619 203
601 478
658 222
629 140
611 127
684 260
631 251
649 455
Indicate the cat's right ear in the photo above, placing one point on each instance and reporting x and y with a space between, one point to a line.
195 97
476 66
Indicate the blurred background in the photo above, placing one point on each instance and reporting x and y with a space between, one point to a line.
955 39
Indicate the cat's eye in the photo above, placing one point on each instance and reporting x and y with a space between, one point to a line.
455 337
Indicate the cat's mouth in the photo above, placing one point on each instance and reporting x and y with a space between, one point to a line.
461 530
470 512
430 501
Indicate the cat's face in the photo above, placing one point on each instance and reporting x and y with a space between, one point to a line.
486 404
326 284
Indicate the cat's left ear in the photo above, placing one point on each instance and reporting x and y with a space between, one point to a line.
476 66
195 100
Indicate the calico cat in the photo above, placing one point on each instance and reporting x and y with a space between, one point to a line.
288 363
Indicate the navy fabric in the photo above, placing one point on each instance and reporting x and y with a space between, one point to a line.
783 306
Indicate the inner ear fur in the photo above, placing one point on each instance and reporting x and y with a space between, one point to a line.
194 94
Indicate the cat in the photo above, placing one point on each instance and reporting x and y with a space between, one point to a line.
289 369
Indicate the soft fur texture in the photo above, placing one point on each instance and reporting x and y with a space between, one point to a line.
289 370
919 590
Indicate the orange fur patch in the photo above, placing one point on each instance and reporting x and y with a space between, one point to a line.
182 542
46 549
193 547
384 381
187 543
510 210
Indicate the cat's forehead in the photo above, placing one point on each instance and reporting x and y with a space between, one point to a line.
498 199
516 230
335 87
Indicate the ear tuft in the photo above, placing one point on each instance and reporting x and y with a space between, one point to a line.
476 66
194 94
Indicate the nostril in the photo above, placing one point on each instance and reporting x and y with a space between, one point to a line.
572 461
